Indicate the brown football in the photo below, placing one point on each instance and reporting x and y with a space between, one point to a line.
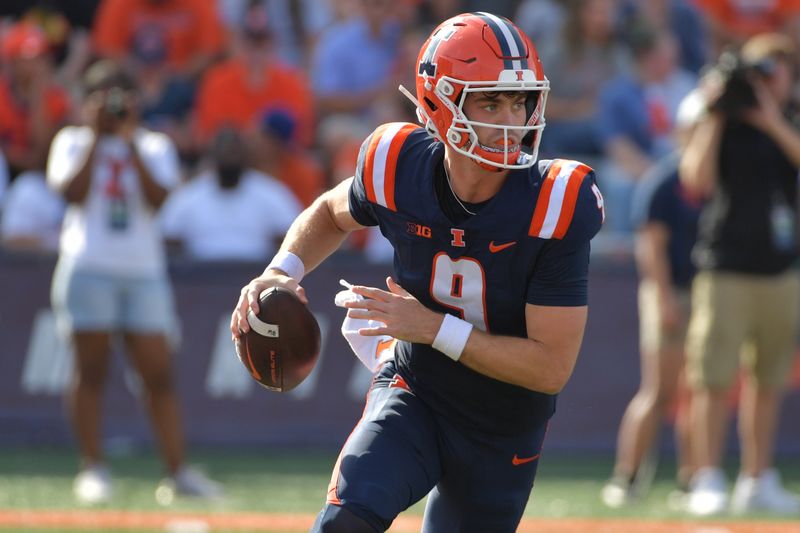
283 343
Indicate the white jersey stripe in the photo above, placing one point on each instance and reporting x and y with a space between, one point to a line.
379 164
556 200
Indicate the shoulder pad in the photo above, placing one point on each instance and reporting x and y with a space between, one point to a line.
558 195
379 164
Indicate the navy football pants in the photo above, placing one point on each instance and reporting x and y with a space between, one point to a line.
400 451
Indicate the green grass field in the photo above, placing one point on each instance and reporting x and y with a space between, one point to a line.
295 483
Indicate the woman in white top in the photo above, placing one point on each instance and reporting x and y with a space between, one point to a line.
111 274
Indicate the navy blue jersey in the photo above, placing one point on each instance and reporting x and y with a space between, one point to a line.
528 244
661 198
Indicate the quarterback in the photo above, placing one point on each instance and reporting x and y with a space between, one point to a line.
488 298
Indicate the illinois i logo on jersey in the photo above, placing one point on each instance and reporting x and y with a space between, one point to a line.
458 237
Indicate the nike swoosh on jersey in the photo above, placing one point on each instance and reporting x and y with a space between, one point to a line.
516 461
494 248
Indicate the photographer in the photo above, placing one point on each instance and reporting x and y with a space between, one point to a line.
111 274
744 156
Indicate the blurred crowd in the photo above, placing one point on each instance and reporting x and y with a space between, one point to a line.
210 124
266 102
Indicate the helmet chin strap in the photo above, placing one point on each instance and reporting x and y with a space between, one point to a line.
487 166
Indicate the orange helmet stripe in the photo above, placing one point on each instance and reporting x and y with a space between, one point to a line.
515 53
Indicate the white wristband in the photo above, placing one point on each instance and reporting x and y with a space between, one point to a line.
452 337
289 263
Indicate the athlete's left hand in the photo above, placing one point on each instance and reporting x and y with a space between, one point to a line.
403 316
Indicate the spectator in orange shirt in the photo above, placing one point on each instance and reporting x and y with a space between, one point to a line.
32 106
235 92
732 21
191 29
277 154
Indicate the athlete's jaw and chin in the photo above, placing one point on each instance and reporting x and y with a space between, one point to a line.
503 109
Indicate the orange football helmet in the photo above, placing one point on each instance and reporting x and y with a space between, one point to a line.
480 52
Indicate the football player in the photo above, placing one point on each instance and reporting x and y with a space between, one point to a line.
488 297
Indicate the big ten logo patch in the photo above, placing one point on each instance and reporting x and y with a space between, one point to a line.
418 229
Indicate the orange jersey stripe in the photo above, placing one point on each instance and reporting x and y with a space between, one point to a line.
369 164
391 164
570 200
540 212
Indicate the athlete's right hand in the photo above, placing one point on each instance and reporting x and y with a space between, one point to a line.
248 297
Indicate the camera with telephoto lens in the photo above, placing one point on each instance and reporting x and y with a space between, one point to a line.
116 103
736 76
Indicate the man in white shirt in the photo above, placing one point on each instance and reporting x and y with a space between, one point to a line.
231 212
111 274
31 216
